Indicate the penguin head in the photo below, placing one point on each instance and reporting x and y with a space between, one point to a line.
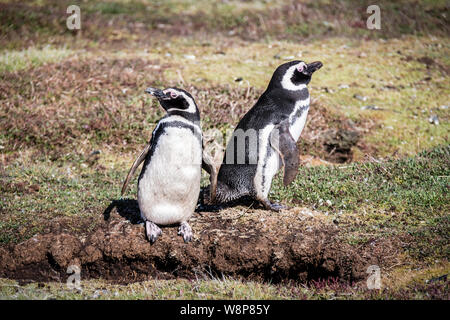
175 101
294 75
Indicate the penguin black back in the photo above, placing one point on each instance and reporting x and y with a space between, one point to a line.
283 107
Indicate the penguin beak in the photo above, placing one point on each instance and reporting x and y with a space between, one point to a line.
158 93
313 67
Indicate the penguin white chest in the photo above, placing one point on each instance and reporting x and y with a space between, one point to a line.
169 188
297 119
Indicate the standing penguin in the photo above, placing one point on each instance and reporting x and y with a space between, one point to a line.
265 139
169 183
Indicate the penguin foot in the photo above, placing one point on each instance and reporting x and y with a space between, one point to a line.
185 230
152 230
273 206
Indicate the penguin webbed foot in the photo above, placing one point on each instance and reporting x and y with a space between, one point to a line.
153 231
273 206
185 231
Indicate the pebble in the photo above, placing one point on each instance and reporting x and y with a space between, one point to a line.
99 293
370 107
434 119
359 97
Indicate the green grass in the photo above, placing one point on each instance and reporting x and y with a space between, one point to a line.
409 185
406 197
158 289
74 191
44 21
14 60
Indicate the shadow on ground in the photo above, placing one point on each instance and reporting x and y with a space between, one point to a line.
126 208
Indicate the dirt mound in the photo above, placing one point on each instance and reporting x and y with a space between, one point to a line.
297 244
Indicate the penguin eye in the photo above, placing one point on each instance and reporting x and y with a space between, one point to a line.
173 94
301 67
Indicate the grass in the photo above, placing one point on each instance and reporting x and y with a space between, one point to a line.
409 185
73 116
415 285
393 198
392 84
11 61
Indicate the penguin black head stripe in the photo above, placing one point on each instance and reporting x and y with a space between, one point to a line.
176 102
294 75
278 118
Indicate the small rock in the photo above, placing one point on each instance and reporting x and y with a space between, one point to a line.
189 56
344 86
277 56
370 107
99 293
359 97
444 107
434 119
289 58
239 79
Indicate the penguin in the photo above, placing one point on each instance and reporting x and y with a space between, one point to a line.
169 182
265 138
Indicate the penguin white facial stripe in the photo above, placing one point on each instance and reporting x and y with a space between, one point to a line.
286 82
190 101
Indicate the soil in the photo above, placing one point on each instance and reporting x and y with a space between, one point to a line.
242 242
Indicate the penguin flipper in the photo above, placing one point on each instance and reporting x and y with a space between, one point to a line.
208 166
133 168
283 142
